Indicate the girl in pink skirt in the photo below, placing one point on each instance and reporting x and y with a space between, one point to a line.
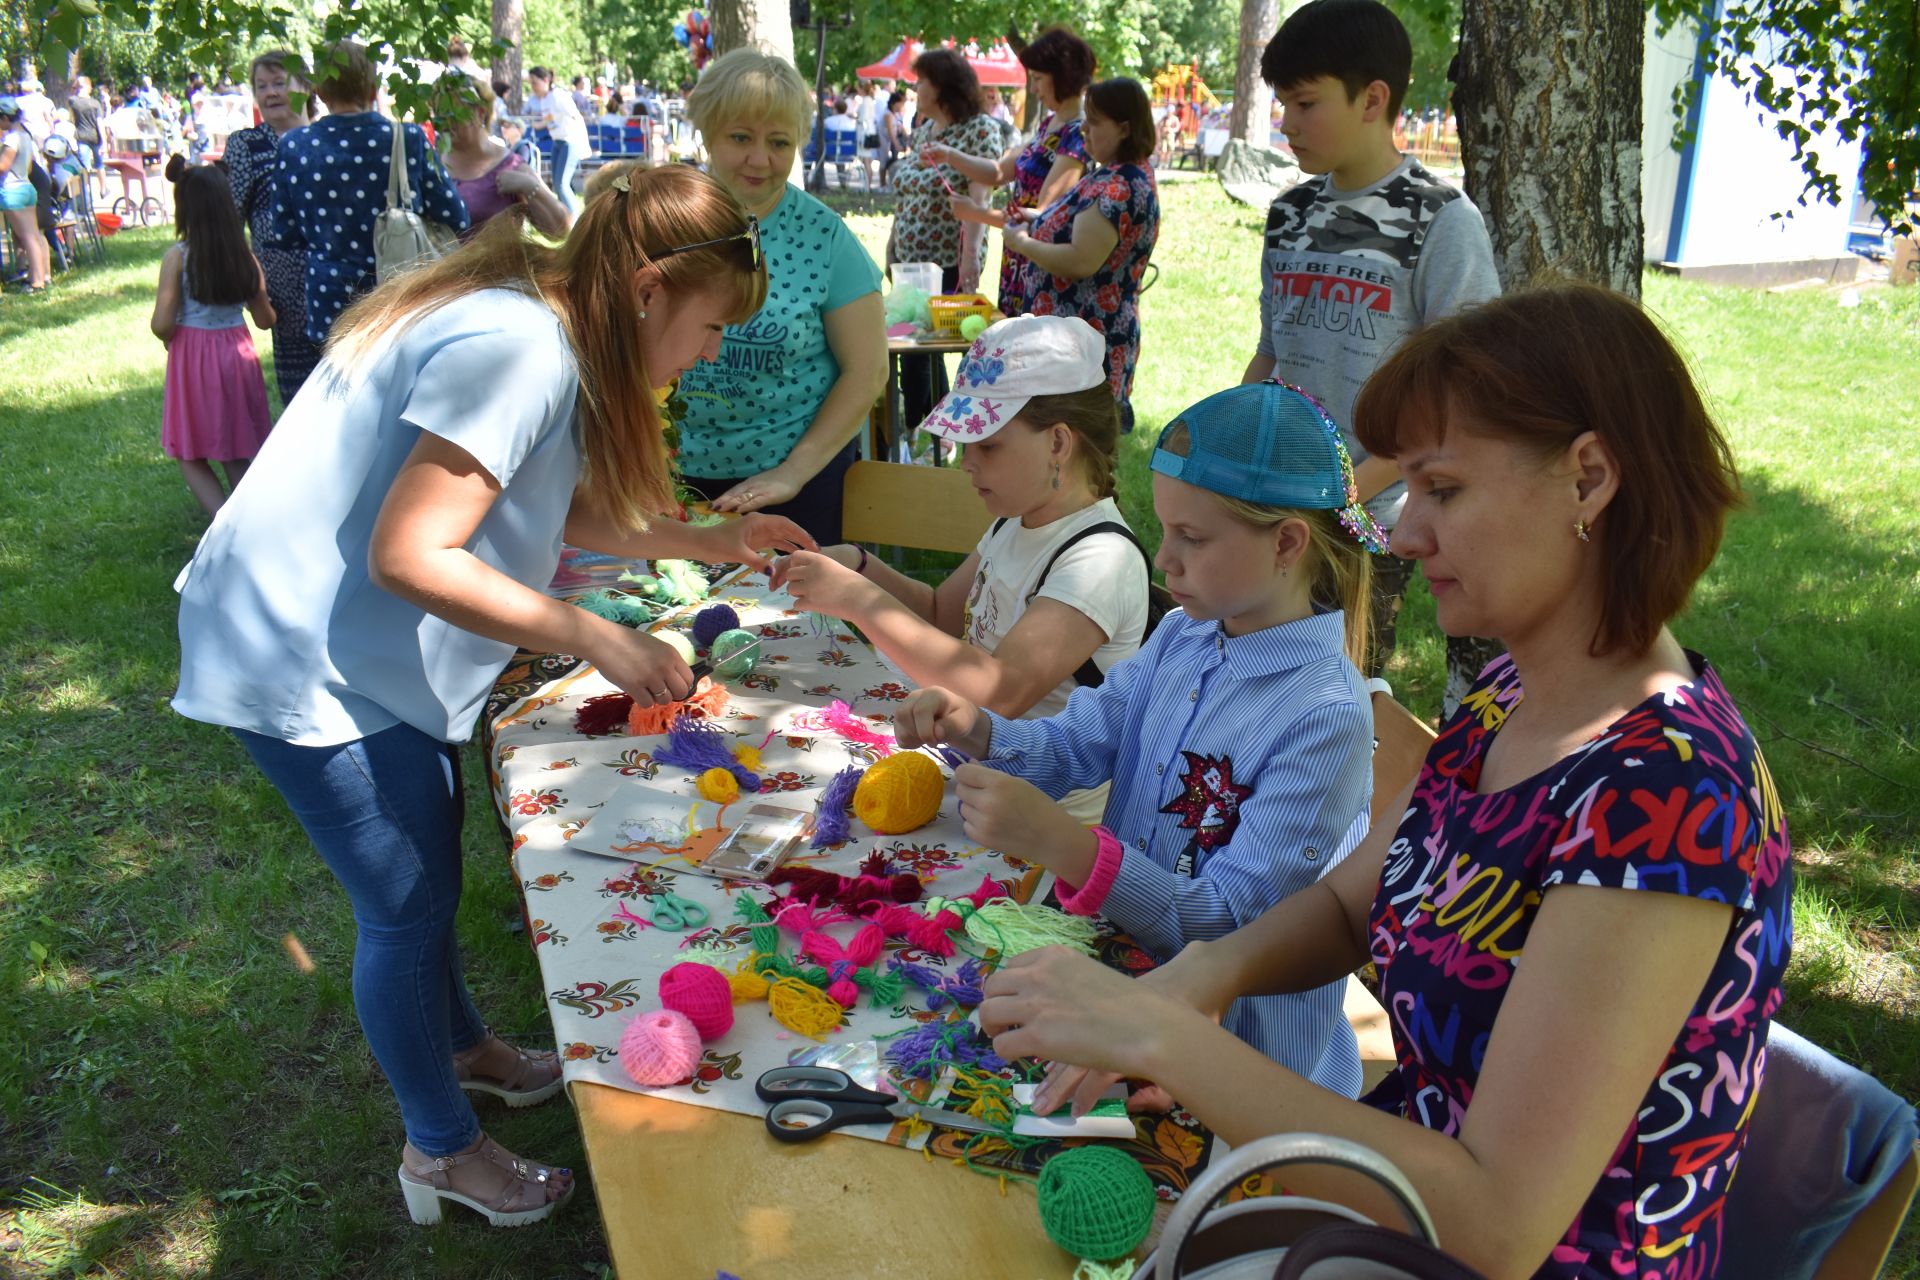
216 398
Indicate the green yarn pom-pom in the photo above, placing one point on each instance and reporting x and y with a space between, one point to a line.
972 327
726 666
1096 1202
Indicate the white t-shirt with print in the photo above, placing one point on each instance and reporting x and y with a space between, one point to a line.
1103 576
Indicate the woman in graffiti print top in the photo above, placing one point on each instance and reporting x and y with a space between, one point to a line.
1581 1113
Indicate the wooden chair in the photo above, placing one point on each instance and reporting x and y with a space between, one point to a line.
1861 1251
934 508
1400 742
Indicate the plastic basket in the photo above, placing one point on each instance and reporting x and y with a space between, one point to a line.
107 222
946 311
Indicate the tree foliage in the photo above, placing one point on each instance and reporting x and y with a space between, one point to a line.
1824 65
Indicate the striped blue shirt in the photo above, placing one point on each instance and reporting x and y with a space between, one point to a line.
1242 772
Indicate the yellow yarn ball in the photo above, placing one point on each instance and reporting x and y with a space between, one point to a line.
748 755
899 794
719 786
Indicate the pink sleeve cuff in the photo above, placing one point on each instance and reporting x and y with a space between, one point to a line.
1087 899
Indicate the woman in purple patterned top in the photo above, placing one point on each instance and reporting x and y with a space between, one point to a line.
1042 169
488 176
1596 805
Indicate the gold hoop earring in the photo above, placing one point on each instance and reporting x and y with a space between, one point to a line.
1580 530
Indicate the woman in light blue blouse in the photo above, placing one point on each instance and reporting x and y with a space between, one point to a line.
351 606
770 425
331 184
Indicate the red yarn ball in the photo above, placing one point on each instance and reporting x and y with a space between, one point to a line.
660 1048
701 992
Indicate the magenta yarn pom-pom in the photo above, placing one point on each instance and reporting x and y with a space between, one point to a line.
660 1048
711 621
702 993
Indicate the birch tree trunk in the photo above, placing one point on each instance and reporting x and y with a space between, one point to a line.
1252 116
761 24
509 27
1548 100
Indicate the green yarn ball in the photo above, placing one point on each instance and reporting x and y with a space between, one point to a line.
972 327
726 667
1096 1203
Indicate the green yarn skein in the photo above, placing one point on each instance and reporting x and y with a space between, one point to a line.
1096 1202
734 655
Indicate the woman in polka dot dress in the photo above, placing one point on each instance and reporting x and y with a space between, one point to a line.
331 185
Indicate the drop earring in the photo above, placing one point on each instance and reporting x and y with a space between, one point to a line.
1580 530
1056 475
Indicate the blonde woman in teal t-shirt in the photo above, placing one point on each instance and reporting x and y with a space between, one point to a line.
770 425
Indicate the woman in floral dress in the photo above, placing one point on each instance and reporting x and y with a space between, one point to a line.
1045 167
1088 252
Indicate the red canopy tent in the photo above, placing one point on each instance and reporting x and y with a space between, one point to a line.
996 65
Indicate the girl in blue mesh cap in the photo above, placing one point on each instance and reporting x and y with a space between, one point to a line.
1239 739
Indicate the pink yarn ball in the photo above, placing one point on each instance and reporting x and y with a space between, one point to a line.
701 992
660 1048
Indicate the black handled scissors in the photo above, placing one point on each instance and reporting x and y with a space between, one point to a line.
809 1101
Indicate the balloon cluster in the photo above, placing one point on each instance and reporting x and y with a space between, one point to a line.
695 35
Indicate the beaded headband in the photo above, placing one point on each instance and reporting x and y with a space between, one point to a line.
1354 516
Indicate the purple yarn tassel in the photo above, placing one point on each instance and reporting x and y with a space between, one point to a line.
830 825
933 1045
961 988
698 746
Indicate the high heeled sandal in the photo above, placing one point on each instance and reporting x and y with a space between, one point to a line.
426 1184
525 1086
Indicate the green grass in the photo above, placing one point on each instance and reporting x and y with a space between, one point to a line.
177 1100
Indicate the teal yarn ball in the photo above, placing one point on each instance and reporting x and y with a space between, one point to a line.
1096 1203
727 667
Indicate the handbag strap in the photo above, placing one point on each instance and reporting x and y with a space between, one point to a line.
1274 1152
399 193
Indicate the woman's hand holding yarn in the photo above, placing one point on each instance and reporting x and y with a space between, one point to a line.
746 540
820 583
647 670
936 717
1060 1005
1012 815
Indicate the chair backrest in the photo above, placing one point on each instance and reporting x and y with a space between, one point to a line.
840 144
1400 742
611 139
1827 1172
1862 1249
935 508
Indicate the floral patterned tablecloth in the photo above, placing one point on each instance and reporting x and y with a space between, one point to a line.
560 794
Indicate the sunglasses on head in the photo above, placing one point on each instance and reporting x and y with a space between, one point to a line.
751 235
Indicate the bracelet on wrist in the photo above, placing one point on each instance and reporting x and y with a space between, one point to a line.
861 568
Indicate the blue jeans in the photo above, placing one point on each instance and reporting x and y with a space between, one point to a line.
564 163
384 813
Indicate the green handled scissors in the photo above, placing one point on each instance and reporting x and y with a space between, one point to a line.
673 913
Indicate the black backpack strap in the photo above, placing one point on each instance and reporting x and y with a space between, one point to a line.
1089 673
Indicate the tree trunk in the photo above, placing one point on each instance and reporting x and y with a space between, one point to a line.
1252 117
1548 100
762 24
509 27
